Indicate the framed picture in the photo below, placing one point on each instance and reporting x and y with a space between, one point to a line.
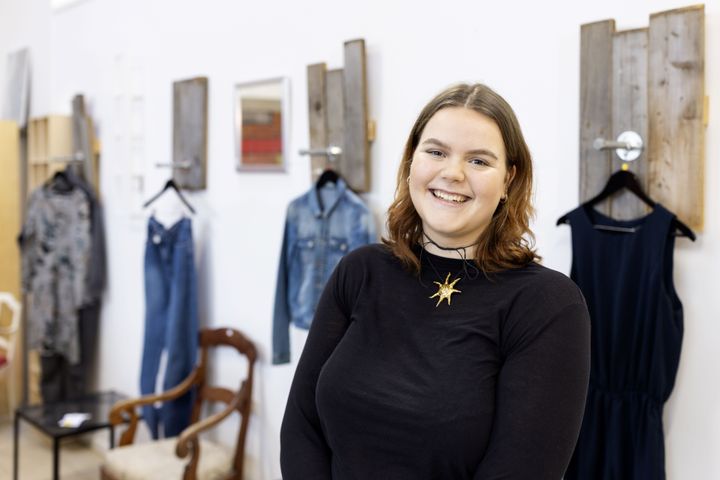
262 125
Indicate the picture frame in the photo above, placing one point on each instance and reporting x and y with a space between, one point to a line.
262 125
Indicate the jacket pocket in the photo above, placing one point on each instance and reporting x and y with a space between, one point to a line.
337 248
304 251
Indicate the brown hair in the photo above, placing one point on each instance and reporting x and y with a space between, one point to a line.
507 242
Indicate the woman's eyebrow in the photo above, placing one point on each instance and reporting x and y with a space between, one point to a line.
479 151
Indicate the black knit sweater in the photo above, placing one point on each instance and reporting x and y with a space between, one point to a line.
391 386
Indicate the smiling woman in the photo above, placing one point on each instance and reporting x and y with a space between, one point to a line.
456 179
479 151
448 352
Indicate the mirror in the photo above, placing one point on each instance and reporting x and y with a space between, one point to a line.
262 124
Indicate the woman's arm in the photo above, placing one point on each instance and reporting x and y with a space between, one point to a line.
540 396
304 453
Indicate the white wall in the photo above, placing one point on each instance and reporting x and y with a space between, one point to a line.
123 55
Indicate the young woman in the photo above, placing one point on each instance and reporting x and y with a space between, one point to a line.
448 352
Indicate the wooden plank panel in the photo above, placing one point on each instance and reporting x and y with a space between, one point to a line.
59 137
190 120
335 117
629 112
83 138
32 139
9 208
10 219
356 149
595 105
59 132
676 72
317 107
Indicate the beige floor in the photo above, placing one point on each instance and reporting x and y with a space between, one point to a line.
78 460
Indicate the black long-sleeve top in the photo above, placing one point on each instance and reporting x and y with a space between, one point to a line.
391 386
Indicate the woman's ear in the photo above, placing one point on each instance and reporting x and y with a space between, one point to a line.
509 176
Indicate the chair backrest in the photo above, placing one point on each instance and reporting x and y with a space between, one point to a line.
228 337
9 330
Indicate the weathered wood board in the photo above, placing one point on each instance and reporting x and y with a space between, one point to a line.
676 147
651 81
190 122
595 106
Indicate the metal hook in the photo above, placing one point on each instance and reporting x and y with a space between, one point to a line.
628 146
332 152
183 165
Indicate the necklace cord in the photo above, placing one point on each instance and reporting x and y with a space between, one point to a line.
460 251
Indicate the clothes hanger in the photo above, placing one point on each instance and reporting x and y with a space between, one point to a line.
60 182
73 175
170 184
625 179
328 175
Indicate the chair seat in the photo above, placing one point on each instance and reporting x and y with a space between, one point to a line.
157 460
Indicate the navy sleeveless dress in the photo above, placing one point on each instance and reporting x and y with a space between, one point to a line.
637 327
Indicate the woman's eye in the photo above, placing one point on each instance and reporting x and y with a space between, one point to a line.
478 161
434 153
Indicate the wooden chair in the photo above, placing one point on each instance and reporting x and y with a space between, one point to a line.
158 459
8 337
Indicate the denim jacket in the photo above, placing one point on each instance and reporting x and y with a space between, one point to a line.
321 226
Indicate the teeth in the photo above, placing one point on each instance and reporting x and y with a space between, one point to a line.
449 196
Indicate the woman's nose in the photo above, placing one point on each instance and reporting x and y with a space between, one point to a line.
453 170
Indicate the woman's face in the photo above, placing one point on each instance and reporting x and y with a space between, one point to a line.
458 175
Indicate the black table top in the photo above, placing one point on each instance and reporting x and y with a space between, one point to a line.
46 416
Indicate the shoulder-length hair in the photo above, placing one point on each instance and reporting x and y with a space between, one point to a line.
507 242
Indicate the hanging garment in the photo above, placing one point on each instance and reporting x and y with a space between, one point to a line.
55 246
321 226
96 275
637 327
61 380
171 322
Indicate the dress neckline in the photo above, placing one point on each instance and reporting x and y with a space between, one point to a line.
593 218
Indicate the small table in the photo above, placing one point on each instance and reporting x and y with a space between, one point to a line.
46 417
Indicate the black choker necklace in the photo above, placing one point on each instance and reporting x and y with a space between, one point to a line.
447 288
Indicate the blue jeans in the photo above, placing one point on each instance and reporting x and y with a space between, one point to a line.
171 321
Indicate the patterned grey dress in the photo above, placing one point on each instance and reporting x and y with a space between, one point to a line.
55 246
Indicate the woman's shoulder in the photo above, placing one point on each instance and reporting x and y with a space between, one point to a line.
542 299
368 261
370 253
539 284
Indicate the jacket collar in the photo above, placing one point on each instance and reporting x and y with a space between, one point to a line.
315 203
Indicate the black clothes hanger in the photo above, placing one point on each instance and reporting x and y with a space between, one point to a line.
60 182
625 179
170 184
622 179
72 176
329 175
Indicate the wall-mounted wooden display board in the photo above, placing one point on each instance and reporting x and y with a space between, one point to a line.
649 80
338 116
190 120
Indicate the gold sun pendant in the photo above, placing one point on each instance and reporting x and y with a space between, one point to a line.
445 290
